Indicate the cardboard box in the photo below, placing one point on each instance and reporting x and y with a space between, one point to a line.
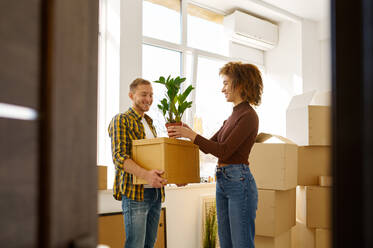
277 171
313 161
325 181
323 238
179 159
281 241
102 177
304 237
276 212
293 237
111 230
314 206
307 122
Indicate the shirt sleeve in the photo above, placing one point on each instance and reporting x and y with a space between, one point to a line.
224 150
120 146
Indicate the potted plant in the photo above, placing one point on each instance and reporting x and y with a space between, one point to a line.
179 159
175 103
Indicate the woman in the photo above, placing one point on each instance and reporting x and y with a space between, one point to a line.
236 192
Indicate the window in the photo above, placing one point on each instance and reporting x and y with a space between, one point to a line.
108 81
211 107
161 20
206 30
159 62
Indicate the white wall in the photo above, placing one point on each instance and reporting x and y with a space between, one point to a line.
283 78
246 54
130 48
316 55
310 56
299 63
325 50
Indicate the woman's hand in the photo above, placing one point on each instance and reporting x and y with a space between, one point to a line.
181 131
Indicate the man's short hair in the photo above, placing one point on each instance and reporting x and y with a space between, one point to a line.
137 82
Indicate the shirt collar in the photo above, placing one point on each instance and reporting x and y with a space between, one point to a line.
240 105
148 119
135 114
139 117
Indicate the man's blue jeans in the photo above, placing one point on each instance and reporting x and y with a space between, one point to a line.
236 203
141 219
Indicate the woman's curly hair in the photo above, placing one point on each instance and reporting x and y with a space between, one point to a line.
246 77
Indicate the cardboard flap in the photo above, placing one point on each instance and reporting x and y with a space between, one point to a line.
262 137
322 98
302 100
310 98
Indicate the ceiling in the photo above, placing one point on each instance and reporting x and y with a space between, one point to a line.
273 10
309 9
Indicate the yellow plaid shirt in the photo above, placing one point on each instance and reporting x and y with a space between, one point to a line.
124 128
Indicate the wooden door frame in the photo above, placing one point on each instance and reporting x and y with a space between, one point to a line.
68 123
352 84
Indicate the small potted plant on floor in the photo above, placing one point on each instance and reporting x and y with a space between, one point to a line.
210 228
175 103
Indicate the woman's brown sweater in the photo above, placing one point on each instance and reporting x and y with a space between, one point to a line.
233 142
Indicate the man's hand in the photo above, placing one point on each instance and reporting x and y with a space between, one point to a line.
154 179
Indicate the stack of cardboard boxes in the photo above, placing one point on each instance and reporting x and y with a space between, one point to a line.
274 167
294 178
308 125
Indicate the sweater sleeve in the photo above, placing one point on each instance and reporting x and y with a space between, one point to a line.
239 133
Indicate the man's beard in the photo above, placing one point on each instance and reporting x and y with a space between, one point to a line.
142 107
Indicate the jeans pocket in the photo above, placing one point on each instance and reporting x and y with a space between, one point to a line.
233 175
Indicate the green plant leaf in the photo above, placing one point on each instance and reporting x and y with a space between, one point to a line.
160 107
185 94
210 228
174 104
183 107
165 106
161 80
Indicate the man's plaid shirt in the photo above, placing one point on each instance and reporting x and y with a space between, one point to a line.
124 128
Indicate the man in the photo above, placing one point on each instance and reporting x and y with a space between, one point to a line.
141 204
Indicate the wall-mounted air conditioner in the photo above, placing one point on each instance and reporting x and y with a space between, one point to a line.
251 31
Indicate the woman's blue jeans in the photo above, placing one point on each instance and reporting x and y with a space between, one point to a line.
236 203
141 219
